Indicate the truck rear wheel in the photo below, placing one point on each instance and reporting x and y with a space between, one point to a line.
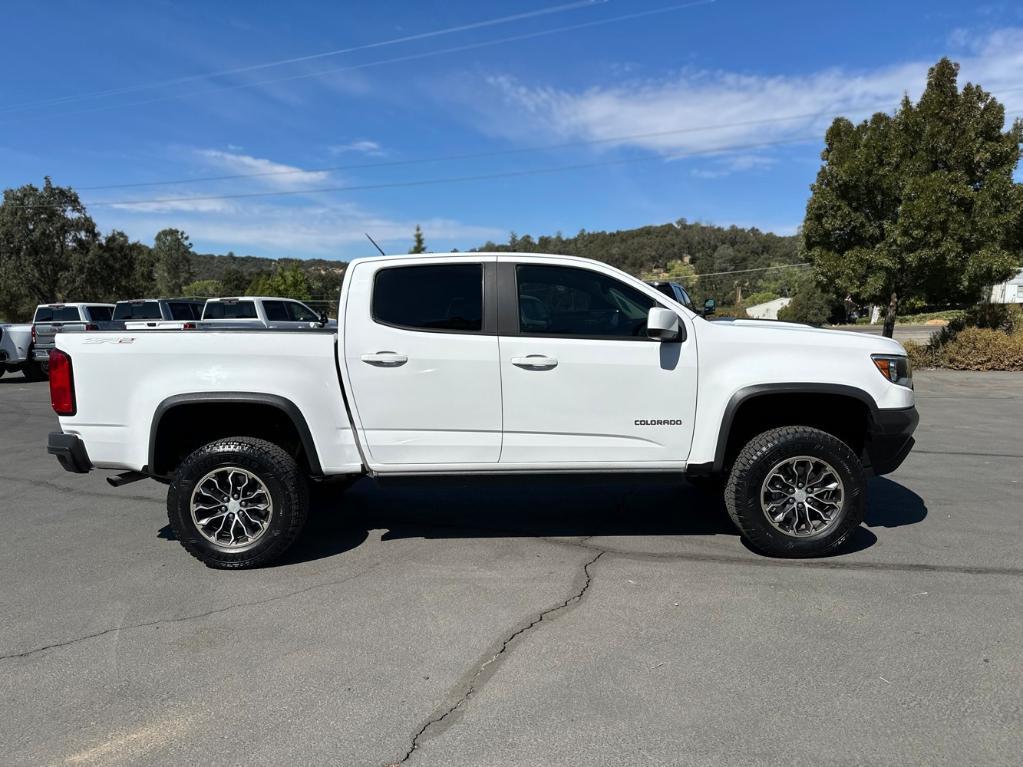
796 491
238 503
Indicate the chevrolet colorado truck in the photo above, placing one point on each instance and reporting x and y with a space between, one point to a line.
484 363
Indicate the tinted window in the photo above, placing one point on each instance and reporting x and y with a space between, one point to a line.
301 312
43 314
683 297
665 288
558 300
66 314
100 313
276 311
442 297
137 310
183 310
230 310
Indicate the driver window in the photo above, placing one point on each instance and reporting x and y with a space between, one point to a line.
565 301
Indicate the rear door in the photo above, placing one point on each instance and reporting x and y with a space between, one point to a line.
421 354
583 384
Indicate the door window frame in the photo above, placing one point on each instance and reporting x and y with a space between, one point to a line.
488 288
508 305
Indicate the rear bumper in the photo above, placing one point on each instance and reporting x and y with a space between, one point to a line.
41 355
890 439
70 452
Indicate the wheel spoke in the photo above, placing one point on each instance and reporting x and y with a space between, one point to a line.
231 507
802 496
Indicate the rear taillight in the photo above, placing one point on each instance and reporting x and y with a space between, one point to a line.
62 383
92 326
33 334
188 326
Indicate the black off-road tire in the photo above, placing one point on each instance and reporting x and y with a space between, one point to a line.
755 461
275 468
37 371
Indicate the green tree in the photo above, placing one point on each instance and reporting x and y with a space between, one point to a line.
811 304
921 204
107 270
204 289
285 282
234 281
173 253
418 242
42 231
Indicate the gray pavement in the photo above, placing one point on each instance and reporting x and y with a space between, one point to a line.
610 623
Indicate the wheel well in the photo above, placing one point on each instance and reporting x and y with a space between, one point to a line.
845 417
183 428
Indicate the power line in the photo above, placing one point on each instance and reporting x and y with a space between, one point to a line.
381 62
310 57
743 271
442 180
469 156
494 153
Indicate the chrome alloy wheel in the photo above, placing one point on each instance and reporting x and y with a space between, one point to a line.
802 496
231 507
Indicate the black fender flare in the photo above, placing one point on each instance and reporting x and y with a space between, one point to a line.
748 393
286 406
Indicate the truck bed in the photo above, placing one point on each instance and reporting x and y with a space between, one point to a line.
123 378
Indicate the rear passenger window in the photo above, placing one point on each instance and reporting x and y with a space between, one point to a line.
441 297
43 314
276 311
100 313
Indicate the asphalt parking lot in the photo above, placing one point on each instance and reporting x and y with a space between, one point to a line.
612 623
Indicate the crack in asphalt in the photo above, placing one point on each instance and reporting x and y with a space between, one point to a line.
185 618
476 681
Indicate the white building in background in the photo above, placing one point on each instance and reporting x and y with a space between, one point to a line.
768 310
1008 292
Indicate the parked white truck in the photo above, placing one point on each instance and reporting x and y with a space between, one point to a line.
487 364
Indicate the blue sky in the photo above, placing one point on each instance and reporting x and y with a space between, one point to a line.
711 111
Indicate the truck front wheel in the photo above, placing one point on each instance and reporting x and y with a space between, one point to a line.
796 491
238 503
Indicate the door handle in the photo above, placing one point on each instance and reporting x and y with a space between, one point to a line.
535 362
385 359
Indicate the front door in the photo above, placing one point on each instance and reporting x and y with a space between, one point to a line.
582 382
422 359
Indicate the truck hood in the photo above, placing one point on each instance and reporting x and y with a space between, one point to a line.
772 331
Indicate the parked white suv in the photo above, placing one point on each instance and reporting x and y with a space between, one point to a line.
264 311
482 363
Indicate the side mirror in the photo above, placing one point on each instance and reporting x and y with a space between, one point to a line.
662 324
324 319
709 307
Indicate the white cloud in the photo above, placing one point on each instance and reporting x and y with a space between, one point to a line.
279 175
364 146
328 229
703 111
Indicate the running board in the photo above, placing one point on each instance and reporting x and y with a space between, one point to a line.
126 479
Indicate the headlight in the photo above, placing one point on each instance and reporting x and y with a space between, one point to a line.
895 368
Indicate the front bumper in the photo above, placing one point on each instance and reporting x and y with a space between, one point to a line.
70 452
890 439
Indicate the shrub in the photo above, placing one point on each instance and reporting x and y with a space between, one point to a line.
981 349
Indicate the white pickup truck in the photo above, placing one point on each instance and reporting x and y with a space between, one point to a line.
487 364
261 311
